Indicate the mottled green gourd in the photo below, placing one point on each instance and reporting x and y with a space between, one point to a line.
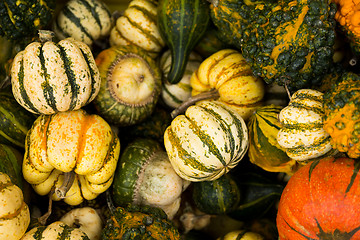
287 42
182 23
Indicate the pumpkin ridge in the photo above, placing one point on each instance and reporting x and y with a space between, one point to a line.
318 110
148 14
353 176
243 73
215 62
316 146
308 238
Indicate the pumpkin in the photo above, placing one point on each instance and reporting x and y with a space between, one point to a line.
139 222
241 235
130 85
138 26
341 108
144 175
175 94
173 16
264 150
321 201
207 141
228 73
86 21
302 133
70 155
55 231
49 77
14 212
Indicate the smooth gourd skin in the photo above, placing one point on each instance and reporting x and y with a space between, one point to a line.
321 201
288 42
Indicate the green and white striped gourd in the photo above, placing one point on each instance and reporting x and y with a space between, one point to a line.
138 26
301 133
49 77
83 20
207 141
175 94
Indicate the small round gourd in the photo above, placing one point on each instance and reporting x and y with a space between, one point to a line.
207 141
49 77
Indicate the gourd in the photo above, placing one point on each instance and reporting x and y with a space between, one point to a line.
55 231
144 176
130 85
302 133
71 156
49 77
264 150
241 235
175 94
139 222
207 141
341 109
20 20
182 23
228 73
138 26
10 164
287 42
321 201
14 212
86 21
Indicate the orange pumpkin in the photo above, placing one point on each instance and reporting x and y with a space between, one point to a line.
322 201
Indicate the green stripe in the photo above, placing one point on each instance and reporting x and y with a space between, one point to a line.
15 169
173 97
287 127
312 167
91 10
87 58
314 147
318 110
353 176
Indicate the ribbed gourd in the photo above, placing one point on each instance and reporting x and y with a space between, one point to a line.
342 115
302 133
207 141
49 77
138 26
287 42
70 156
85 20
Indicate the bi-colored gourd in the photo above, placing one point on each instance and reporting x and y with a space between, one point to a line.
71 156
302 133
86 21
207 141
49 77
228 72
321 201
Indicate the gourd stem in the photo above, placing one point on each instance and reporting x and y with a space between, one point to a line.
46 35
110 202
192 100
66 185
42 220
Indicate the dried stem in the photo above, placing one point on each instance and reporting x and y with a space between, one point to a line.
66 185
42 220
46 35
110 202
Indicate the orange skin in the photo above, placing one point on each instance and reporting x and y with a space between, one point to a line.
325 206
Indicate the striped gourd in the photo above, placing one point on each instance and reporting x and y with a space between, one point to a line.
175 94
182 23
15 120
73 148
302 133
264 150
207 141
55 231
83 20
49 77
228 72
138 26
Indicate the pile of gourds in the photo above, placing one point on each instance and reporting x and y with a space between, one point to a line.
179 119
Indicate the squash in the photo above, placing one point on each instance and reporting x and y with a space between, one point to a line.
138 26
49 77
228 73
241 235
71 156
219 196
144 176
182 23
341 108
139 222
14 212
321 201
10 163
264 150
15 120
302 133
86 21
55 231
130 85
20 20
175 94
207 141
